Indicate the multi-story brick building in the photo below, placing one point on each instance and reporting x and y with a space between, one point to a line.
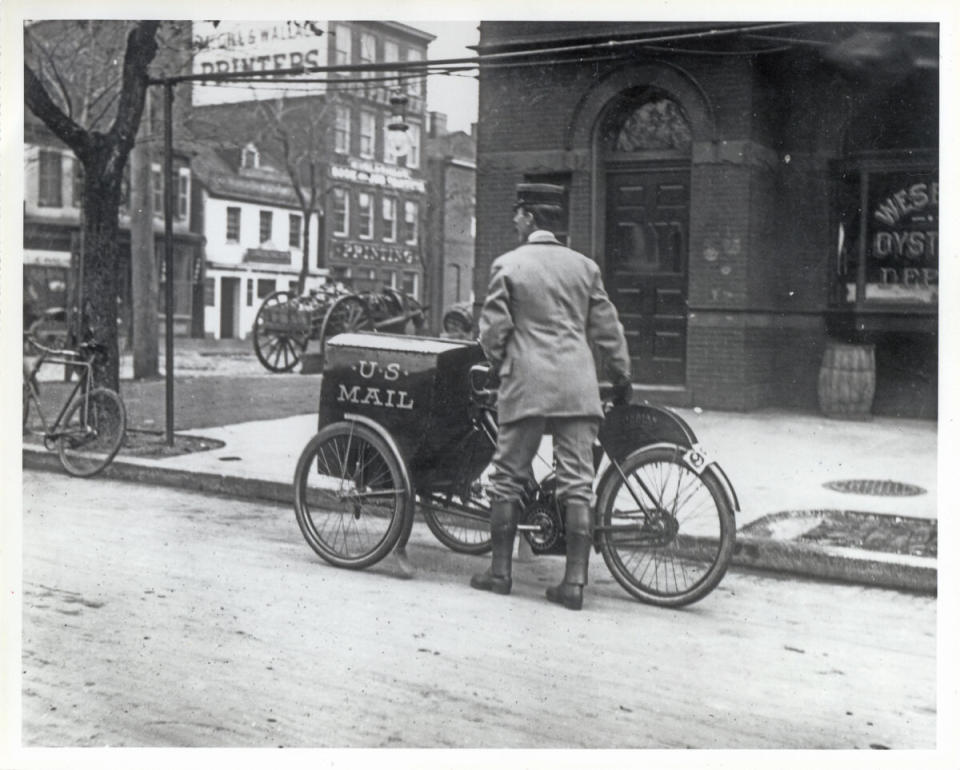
752 192
451 220
371 201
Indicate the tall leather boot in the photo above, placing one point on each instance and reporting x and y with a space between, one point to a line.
504 516
579 521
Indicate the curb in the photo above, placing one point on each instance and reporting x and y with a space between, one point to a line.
197 481
849 565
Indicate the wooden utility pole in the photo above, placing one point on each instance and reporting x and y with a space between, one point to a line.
143 263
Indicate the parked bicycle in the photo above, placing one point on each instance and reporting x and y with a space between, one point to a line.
90 427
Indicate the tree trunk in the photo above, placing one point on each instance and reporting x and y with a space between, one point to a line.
101 266
305 266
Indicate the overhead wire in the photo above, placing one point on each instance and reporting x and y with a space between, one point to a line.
484 60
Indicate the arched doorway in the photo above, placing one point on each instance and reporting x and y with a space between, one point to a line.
644 144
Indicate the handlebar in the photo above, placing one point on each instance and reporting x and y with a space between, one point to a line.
83 350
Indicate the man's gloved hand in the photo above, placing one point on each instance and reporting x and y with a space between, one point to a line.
622 392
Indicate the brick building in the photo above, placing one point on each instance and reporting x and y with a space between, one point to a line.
752 193
371 200
451 221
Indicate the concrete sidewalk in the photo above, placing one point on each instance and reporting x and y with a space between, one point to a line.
777 461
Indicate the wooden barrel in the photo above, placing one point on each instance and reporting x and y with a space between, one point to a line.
847 381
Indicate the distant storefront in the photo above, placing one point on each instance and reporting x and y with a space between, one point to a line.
751 199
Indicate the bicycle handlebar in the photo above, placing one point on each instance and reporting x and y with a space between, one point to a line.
89 346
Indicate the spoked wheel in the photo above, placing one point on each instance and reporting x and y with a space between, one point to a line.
351 495
281 331
92 432
461 522
666 534
347 314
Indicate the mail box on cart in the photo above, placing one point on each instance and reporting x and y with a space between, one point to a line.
417 388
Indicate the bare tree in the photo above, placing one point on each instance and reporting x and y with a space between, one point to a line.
298 134
91 97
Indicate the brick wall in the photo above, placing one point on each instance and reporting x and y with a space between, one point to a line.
760 241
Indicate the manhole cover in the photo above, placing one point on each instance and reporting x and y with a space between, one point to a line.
875 487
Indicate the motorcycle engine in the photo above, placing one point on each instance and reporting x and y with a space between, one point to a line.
542 510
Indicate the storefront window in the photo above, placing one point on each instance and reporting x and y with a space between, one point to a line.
265 286
411 284
887 235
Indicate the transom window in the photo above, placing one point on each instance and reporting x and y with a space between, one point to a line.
646 121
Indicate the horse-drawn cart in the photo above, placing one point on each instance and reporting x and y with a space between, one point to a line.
286 322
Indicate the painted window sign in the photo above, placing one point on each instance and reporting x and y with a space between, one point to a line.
901 254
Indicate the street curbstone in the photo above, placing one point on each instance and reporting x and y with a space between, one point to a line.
869 568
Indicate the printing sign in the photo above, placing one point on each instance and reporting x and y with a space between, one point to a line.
256 47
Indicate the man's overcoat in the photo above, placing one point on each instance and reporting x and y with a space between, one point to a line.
545 307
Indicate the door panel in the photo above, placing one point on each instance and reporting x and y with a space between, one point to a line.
646 267
229 299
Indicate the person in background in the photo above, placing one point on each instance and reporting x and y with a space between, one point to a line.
545 316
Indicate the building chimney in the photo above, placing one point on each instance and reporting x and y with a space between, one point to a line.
438 124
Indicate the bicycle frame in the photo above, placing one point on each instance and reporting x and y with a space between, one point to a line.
68 359
484 420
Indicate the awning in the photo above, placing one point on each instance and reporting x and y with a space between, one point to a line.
46 258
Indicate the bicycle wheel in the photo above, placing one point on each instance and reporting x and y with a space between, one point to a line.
461 523
28 379
91 437
667 536
350 495
280 334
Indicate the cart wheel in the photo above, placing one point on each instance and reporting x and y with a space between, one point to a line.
278 339
347 314
666 534
350 495
463 523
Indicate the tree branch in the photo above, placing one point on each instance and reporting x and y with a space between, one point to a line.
40 104
141 48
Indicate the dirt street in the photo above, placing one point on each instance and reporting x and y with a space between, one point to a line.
161 618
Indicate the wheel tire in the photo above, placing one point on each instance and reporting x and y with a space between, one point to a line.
28 379
277 350
359 532
86 455
694 560
458 532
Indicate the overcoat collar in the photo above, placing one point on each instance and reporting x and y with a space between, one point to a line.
543 236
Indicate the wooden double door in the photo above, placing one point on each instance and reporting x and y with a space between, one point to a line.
646 266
